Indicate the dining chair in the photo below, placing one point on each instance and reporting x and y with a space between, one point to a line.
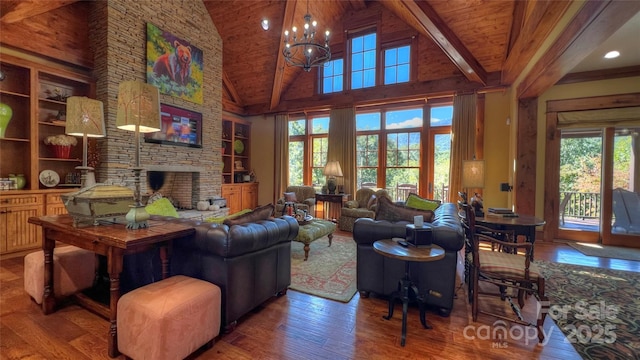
506 270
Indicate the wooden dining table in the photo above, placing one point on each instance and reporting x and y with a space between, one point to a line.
112 240
523 225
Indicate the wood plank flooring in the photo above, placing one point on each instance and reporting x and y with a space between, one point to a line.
295 326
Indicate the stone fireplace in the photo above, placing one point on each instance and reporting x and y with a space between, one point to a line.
118 37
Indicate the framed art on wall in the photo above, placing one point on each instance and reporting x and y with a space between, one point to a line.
174 65
180 127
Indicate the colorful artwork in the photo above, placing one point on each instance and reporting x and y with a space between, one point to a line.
174 65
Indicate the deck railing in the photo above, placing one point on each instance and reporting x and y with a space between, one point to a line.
584 205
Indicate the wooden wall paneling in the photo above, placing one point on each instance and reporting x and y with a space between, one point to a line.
61 34
551 177
526 150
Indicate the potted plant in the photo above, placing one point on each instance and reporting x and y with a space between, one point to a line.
61 145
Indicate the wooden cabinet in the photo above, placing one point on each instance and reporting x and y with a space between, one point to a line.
16 233
54 205
249 195
240 196
236 135
36 92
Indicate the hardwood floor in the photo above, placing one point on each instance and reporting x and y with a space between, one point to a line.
295 326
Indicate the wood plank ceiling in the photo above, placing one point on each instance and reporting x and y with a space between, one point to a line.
462 45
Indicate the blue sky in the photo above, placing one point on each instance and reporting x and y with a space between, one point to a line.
401 119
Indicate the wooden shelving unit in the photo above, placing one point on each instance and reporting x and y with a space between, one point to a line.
36 94
236 142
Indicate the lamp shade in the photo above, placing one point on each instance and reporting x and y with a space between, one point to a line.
473 174
332 169
138 107
85 117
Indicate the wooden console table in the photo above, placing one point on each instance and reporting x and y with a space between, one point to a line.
111 240
334 212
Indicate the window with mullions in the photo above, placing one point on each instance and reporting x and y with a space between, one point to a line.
397 65
308 139
363 61
332 76
368 148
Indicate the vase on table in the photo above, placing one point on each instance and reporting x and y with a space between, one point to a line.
5 116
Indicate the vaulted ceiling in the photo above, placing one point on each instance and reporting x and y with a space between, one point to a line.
462 45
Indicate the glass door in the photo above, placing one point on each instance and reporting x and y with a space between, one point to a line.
599 186
623 221
580 184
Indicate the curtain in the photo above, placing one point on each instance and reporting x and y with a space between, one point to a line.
626 116
281 171
342 145
463 143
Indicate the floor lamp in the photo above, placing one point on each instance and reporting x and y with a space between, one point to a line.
85 117
473 178
138 111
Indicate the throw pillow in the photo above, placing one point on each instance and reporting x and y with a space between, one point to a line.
371 204
221 219
387 210
162 207
290 197
416 202
259 213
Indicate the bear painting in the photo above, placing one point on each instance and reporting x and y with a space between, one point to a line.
174 65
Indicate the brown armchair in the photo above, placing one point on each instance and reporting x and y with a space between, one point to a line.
305 199
362 206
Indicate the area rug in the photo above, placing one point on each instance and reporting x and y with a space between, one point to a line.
598 310
615 252
329 272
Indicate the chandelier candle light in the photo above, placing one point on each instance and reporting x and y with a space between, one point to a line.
139 111
303 51
85 117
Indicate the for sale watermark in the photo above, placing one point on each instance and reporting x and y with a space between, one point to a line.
590 323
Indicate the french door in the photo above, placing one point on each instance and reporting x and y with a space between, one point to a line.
599 186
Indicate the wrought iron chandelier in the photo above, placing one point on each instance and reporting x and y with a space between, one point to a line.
304 51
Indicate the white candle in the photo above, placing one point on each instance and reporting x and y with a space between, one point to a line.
418 221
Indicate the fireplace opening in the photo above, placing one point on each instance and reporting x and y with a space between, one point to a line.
175 186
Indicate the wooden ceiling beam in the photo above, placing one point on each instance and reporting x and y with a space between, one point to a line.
446 39
595 22
15 11
287 21
538 23
233 94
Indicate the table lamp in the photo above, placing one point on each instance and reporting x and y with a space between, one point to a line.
85 117
332 169
138 111
473 178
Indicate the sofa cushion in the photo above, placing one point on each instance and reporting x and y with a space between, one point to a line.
414 201
387 210
260 213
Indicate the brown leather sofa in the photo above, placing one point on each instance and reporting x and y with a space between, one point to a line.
380 275
250 262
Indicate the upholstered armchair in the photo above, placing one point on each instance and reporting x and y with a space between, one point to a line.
362 206
304 198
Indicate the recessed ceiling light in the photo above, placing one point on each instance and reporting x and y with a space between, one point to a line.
265 24
612 55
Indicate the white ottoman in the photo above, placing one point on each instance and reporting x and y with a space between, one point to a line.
168 319
74 270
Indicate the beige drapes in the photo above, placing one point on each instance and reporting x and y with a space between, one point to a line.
463 129
342 145
625 116
281 171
